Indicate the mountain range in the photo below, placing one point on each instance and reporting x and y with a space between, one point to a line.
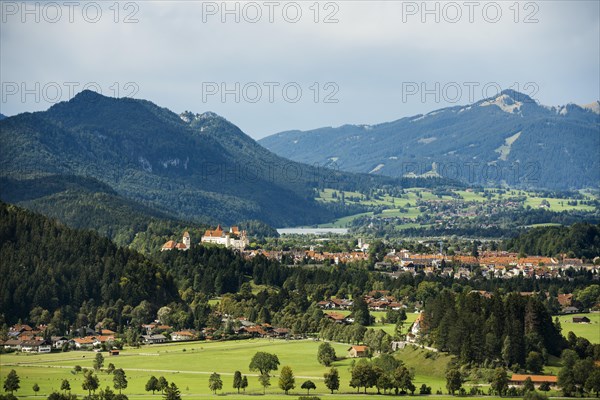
102 158
506 139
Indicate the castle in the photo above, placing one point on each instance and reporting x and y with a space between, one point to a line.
234 238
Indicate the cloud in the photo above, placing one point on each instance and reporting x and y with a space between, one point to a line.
362 61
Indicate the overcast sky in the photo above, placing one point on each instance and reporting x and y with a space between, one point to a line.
299 65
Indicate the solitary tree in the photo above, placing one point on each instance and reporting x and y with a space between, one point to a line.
215 383
308 385
237 380
265 381
110 369
162 384
36 388
332 379
98 361
500 381
326 354
454 380
11 383
90 382
528 385
65 385
244 383
152 384
120 380
108 394
264 362
286 379
172 392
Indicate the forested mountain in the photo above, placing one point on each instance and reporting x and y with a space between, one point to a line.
577 240
506 139
47 265
87 203
190 166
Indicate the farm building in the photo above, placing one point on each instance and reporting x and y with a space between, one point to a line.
358 351
519 379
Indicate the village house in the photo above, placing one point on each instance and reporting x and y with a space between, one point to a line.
337 318
154 339
519 379
156 328
415 329
36 346
581 320
84 342
570 310
565 300
181 336
58 341
235 238
358 351
12 344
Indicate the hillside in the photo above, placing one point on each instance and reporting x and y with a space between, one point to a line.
577 240
86 203
195 167
45 264
507 139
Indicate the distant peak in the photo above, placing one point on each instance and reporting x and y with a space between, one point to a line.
189 117
516 96
593 107
87 94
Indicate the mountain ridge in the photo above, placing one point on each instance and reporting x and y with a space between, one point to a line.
199 170
468 141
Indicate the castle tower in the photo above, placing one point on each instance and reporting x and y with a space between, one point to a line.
186 240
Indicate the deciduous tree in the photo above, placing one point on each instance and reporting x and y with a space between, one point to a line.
11 383
215 383
326 354
308 385
286 379
332 379
264 363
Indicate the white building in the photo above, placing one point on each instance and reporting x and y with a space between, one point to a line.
235 238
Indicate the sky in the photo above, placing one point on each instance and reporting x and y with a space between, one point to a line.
271 66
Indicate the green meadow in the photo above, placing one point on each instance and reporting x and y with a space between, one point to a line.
190 364
589 331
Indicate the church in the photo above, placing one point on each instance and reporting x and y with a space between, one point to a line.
184 245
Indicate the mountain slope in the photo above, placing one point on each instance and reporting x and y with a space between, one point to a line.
45 264
192 167
86 203
507 139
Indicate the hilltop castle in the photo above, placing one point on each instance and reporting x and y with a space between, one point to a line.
234 238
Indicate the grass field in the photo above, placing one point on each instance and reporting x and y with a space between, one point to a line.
589 331
189 365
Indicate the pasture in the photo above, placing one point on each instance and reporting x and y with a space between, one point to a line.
190 364
589 331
